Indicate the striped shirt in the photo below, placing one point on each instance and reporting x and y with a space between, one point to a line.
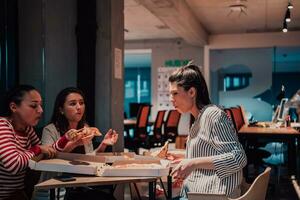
16 148
213 135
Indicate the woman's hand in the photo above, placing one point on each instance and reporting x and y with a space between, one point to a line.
73 134
176 158
111 137
183 169
49 151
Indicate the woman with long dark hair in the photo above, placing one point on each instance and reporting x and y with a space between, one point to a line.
69 113
214 157
18 141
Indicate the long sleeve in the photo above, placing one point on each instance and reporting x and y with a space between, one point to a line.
52 137
231 157
13 156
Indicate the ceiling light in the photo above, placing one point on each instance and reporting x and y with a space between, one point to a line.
284 28
287 16
290 6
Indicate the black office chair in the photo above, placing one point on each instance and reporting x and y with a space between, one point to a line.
157 140
171 126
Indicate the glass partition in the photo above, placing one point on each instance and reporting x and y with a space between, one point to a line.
254 78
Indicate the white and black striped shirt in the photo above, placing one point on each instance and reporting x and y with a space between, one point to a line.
213 135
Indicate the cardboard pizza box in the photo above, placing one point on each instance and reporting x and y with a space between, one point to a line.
111 157
70 165
144 168
95 165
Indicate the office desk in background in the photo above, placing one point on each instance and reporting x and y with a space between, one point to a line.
131 124
287 135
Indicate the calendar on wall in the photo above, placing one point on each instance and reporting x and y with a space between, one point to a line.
163 96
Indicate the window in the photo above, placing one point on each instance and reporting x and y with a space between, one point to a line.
236 81
137 86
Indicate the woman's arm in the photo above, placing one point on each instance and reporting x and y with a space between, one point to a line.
186 166
110 138
12 158
52 137
231 157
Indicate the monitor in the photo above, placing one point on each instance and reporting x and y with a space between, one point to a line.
282 111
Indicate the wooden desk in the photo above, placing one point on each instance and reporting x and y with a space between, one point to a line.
131 123
80 181
269 131
287 135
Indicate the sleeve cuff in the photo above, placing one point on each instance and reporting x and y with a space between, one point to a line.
61 143
36 150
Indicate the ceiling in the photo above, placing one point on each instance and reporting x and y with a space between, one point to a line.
161 19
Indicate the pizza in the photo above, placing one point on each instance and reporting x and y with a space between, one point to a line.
162 153
85 132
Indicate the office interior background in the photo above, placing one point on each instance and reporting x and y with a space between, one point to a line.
239 45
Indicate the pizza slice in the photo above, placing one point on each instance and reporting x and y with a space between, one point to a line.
162 153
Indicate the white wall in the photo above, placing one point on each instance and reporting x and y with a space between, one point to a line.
163 50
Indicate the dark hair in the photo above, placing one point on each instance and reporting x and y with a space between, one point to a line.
15 95
58 119
191 76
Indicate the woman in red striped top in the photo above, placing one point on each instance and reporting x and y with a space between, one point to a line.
18 141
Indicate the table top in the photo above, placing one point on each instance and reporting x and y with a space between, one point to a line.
91 181
129 122
133 122
268 130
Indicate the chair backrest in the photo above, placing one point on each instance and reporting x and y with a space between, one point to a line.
258 188
172 118
171 125
228 112
159 121
143 116
237 117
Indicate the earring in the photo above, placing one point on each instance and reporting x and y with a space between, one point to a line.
62 113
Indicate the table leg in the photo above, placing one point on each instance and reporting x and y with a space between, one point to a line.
297 159
292 157
52 194
152 190
169 182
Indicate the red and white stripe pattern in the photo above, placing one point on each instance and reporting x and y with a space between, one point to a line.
16 149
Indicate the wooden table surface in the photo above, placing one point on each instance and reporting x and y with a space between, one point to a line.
268 130
91 181
288 135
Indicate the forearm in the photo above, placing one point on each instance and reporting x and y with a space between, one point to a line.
69 147
203 163
101 148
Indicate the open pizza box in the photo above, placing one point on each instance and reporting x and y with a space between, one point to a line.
153 167
70 163
111 157
95 165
